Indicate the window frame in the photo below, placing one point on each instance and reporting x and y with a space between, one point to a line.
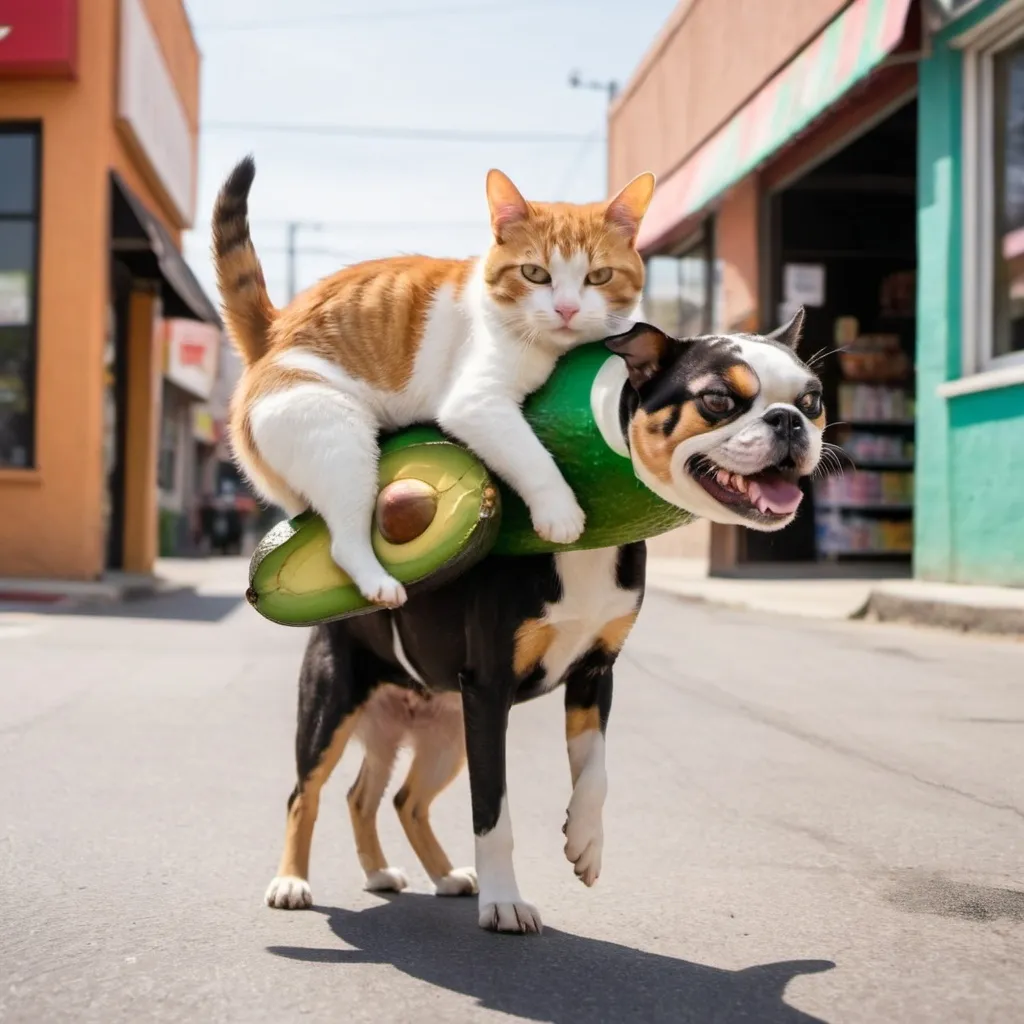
701 240
980 48
34 128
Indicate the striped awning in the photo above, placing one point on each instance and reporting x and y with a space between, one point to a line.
840 56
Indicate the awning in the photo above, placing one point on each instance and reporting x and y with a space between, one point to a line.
841 55
146 247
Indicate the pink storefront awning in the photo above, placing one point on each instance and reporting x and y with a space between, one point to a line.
840 56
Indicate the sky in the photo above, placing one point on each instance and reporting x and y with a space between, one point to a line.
465 65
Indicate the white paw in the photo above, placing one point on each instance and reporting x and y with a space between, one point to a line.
458 882
558 518
286 892
387 880
510 917
584 842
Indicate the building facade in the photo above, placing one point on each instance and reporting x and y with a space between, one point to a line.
785 138
970 492
99 106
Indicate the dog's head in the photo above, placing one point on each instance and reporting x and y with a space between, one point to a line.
723 426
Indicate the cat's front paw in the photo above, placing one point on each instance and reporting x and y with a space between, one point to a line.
558 518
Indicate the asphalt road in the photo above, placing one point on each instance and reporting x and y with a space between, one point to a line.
806 821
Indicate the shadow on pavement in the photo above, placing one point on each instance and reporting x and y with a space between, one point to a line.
567 979
180 606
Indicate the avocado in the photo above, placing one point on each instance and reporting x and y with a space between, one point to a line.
439 508
437 513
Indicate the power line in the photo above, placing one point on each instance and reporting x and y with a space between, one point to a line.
385 15
359 131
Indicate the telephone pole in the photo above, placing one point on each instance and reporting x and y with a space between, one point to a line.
293 228
610 87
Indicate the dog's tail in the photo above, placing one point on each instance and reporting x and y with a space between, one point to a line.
247 308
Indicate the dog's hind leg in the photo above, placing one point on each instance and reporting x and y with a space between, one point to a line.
440 753
363 803
330 705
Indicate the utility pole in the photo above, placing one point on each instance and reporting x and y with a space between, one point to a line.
610 87
293 228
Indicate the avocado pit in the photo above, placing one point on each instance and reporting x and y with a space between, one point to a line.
405 508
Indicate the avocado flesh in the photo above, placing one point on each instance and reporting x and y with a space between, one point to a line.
294 581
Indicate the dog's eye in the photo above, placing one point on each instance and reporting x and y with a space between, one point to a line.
714 404
811 405
599 277
535 274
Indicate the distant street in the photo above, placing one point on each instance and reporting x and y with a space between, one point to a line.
806 821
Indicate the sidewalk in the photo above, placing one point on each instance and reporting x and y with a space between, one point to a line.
998 610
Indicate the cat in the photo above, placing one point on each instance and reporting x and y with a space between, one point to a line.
387 343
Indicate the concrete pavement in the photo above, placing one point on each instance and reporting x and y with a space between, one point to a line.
808 820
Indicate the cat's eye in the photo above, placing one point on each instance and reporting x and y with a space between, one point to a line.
715 404
600 276
535 274
811 405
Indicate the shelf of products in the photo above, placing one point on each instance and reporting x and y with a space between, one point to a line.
867 512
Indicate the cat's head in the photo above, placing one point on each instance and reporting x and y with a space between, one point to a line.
559 274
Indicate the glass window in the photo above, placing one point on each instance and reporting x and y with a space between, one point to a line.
677 293
19 230
18 173
1008 237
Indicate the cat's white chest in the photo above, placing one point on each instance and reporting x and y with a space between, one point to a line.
590 600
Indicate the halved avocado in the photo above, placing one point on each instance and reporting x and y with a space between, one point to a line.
437 514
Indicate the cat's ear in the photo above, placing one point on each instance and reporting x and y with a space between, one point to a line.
506 203
789 334
627 209
645 350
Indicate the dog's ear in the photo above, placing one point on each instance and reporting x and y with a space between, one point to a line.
791 333
645 350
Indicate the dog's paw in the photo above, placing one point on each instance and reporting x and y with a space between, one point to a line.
522 918
584 842
458 882
558 518
387 880
287 892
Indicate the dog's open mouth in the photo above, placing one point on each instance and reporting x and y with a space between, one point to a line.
772 493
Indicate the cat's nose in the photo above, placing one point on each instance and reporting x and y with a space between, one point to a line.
566 310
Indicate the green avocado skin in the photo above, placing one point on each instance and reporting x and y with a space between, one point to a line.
619 508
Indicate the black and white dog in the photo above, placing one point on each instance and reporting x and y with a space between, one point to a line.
722 426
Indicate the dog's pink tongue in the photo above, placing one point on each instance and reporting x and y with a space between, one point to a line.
775 494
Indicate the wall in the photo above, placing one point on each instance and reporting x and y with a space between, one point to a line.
969 502
712 56
52 514
52 518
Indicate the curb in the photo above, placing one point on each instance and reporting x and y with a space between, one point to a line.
966 618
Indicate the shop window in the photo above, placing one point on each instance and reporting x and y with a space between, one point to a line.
19 237
993 253
678 293
167 460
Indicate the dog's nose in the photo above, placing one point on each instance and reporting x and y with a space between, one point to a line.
787 423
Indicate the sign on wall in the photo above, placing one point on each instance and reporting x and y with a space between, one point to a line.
151 113
191 349
39 38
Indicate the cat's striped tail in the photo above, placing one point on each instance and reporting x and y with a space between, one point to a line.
247 308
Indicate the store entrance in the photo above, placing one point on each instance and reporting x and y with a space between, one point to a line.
844 244
115 409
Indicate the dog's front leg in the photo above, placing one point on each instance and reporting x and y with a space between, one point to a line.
485 707
588 701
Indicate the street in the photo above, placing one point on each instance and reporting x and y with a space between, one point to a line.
806 821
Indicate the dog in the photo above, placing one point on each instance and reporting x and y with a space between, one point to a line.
723 426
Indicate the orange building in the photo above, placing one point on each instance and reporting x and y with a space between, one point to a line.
99 116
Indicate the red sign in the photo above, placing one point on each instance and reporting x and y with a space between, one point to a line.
39 38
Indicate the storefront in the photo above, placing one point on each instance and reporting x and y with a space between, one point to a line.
807 171
970 369
98 127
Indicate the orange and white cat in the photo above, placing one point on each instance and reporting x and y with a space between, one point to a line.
388 343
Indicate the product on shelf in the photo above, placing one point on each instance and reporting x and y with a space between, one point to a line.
863 446
858 535
869 403
875 358
898 294
865 488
